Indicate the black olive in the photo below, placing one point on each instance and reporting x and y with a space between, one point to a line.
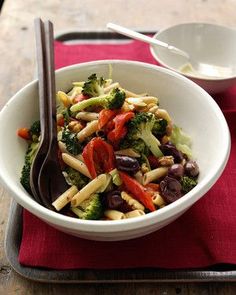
170 189
113 200
176 171
191 168
127 164
169 149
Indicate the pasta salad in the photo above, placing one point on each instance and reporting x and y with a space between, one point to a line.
120 152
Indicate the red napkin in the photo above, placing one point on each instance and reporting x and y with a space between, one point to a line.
205 235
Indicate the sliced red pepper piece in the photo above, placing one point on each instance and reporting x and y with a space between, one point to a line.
138 191
88 159
98 156
120 129
105 116
112 137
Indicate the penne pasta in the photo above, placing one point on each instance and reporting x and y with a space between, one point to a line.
65 198
90 128
62 147
111 86
133 203
134 213
79 83
76 90
139 177
79 157
128 152
136 101
114 214
143 101
75 164
149 99
154 174
64 98
158 200
91 188
161 113
127 107
129 93
87 116
152 108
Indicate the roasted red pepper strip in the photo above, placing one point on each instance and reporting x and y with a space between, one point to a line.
120 130
105 116
138 191
88 159
98 156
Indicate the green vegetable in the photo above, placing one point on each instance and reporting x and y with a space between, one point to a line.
115 177
71 141
140 127
74 177
181 140
25 172
35 130
90 209
66 113
30 155
94 86
138 145
113 100
144 160
188 183
159 128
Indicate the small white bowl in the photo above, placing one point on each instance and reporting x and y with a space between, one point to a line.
207 43
189 106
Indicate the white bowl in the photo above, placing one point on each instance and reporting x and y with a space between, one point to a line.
188 104
207 43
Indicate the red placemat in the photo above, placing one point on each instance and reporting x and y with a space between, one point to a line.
205 235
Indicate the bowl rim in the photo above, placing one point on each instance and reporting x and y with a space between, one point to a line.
197 78
99 226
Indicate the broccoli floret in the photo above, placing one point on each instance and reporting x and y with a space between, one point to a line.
35 130
113 100
74 177
71 141
159 128
90 209
141 127
25 172
29 155
188 183
94 86
138 145
66 113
